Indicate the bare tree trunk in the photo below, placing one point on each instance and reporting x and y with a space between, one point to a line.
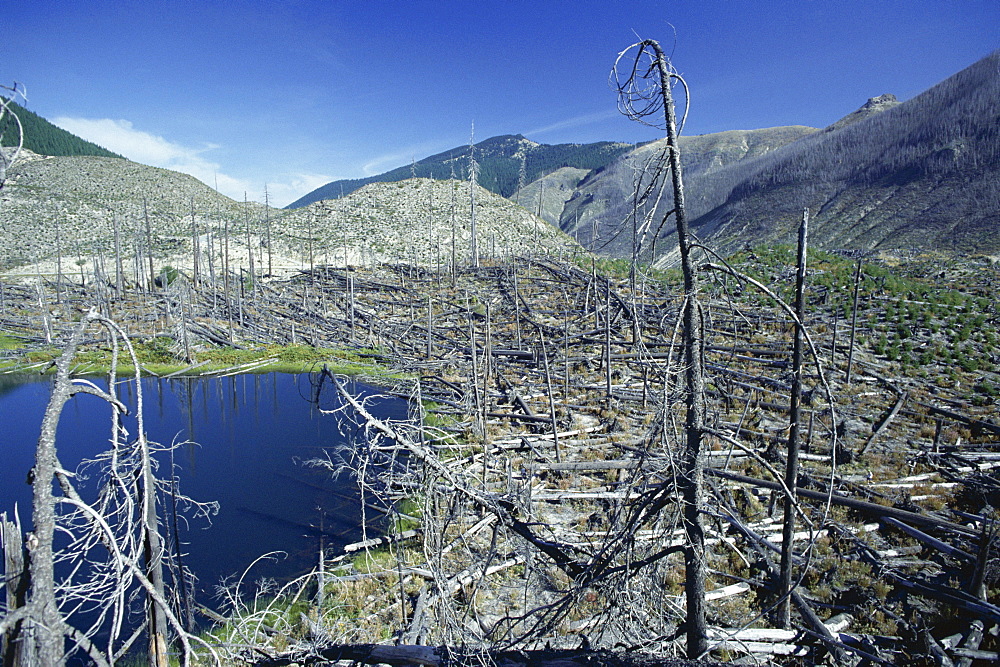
17 641
454 223
253 275
118 258
854 323
195 249
211 260
473 174
607 342
267 226
517 307
430 325
480 420
149 245
350 287
225 279
153 553
58 261
794 428
48 622
693 467
552 403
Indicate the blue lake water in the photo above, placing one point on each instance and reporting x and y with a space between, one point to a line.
253 433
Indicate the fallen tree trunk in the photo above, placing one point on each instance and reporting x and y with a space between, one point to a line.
437 656
853 503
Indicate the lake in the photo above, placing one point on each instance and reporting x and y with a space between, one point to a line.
253 434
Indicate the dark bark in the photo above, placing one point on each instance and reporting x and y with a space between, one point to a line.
794 418
694 466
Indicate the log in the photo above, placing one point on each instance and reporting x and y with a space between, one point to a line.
853 503
376 542
438 656
517 417
954 597
972 422
620 464
930 541
965 653
884 424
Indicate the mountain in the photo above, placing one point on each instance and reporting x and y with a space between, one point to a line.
44 138
921 174
499 160
870 108
415 221
597 208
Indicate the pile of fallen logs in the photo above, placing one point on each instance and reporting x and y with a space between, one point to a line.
545 453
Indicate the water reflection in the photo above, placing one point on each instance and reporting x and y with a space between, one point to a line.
241 441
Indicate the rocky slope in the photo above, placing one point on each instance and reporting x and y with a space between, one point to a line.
415 220
73 201
69 206
598 210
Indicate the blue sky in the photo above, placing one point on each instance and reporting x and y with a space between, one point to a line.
295 94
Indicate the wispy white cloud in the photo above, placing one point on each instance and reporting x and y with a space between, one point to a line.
386 162
122 137
403 156
575 121
292 186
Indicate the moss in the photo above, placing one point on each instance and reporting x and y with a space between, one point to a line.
159 355
8 342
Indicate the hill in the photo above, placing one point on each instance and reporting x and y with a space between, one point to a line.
499 160
72 204
77 198
416 221
44 138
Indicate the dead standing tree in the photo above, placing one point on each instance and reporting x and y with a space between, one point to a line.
93 555
7 158
643 78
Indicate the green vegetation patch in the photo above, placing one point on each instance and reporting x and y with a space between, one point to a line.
8 342
162 355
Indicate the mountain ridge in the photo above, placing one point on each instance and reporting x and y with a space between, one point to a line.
923 173
499 161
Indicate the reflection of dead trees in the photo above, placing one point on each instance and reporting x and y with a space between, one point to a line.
91 556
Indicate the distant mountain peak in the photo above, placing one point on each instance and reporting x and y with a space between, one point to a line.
881 102
874 105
